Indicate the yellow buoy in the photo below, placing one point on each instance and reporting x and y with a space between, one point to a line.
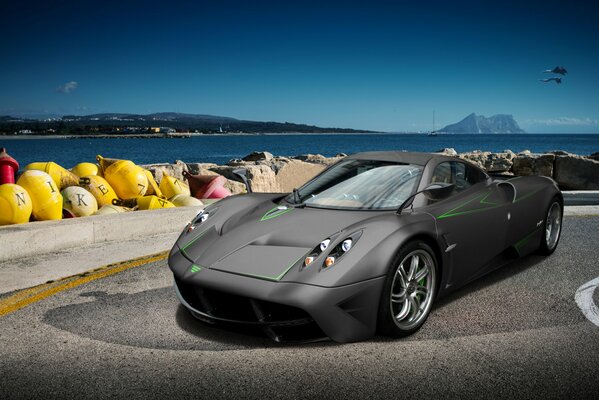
46 199
15 204
85 169
99 188
62 177
127 179
110 209
145 203
79 201
153 203
185 200
172 186
152 185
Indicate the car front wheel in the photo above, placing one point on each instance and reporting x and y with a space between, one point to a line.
409 290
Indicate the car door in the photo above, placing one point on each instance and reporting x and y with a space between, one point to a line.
472 222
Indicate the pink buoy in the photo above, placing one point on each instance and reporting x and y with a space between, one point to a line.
207 186
8 167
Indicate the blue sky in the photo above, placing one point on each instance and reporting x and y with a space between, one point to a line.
367 65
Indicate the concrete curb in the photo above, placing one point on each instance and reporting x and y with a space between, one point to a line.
581 197
18 241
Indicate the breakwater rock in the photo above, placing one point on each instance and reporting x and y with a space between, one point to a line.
269 173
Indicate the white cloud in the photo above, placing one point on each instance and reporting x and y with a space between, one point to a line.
565 121
67 87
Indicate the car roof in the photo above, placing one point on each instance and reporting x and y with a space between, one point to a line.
416 158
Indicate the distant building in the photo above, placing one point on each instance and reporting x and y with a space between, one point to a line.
24 132
162 129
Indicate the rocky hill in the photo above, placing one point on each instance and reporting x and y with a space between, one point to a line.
500 123
109 123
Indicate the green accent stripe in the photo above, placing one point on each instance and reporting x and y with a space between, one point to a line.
519 244
195 239
270 214
454 211
195 268
192 242
483 200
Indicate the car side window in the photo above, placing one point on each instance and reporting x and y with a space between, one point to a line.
460 174
442 173
461 181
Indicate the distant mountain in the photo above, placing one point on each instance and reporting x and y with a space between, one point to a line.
124 122
500 123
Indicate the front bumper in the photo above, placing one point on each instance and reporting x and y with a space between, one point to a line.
344 314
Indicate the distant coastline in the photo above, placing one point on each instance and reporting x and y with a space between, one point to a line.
147 125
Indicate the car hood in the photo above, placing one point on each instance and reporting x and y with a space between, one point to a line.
264 240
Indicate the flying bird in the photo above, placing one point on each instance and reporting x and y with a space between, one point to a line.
557 80
556 70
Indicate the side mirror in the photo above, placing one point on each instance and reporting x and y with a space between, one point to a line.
434 191
438 190
242 174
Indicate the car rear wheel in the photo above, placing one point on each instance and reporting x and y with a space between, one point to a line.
409 290
552 227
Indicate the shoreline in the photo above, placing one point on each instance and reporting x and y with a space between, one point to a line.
188 135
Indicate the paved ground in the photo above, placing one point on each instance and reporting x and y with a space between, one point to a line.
516 333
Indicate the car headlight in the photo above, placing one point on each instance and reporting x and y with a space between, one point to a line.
333 255
346 245
197 220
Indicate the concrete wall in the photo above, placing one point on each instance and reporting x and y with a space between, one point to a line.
17 241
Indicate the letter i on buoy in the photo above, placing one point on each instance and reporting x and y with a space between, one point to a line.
45 197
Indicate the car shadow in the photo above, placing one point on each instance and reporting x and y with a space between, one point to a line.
501 301
153 319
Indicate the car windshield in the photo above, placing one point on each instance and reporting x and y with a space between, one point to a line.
360 184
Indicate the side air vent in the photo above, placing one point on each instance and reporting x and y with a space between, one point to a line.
508 189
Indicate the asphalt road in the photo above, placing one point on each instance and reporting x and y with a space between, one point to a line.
516 333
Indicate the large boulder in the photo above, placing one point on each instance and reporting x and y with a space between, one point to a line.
261 177
533 164
448 151
476 157
499 162
295 173
174 170
282 175
574 172
258 156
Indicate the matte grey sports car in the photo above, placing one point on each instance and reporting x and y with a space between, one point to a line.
366 246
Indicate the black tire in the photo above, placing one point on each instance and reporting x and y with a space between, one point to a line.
548 243
391 307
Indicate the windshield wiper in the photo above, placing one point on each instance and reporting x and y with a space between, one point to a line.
297 199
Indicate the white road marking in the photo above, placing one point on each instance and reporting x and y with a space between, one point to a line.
584 299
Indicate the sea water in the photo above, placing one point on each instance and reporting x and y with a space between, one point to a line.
220 149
